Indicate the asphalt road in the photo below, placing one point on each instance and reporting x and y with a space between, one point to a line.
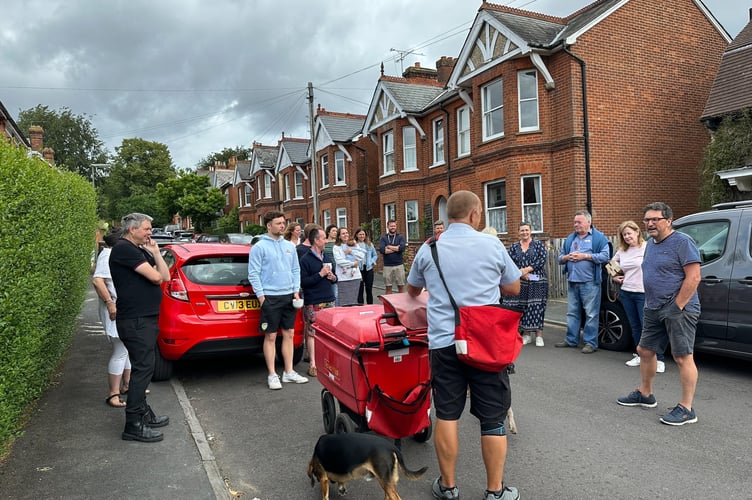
574 441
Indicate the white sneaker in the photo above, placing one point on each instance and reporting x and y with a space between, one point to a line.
273 381
539 342
661 367
526 339
635 361
294 376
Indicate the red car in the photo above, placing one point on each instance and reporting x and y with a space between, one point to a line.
208 306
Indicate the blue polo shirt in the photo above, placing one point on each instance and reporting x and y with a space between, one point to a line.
474 264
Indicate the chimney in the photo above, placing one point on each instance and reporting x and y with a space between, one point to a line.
49 155
36 136
417 72
444 68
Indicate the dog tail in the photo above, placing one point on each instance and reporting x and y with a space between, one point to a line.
410 474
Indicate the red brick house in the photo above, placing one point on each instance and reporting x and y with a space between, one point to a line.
264 181
10 131
517 123
242 184
730 95
345 182
292 171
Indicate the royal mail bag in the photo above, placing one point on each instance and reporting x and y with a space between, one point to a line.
485 337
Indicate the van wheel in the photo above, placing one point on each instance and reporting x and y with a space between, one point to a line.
614 333
162 367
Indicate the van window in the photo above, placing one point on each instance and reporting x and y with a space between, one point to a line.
710 237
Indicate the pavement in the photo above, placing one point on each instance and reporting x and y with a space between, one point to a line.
71 446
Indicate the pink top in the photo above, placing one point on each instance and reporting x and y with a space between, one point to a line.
631 263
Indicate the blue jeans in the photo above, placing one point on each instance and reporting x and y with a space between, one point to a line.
634 305
587 297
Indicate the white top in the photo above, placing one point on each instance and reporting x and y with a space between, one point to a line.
630 261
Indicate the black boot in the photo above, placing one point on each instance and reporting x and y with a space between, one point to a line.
139 431
152 420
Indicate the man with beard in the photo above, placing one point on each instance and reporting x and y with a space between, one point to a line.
392 247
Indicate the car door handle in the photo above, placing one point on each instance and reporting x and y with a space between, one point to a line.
746 281
712 280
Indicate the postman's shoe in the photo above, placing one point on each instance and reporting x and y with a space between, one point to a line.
139 431
154 421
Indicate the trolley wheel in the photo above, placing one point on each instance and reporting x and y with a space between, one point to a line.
328 410
425 434
344 424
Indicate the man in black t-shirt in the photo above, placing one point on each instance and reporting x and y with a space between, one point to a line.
137 269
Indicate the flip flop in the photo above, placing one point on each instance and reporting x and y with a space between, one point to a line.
110 402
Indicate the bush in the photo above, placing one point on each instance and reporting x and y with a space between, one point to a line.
47 225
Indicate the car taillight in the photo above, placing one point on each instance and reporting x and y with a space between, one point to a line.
176 289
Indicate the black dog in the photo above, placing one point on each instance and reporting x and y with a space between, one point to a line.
341 457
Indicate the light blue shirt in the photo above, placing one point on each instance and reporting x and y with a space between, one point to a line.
273 267
474 264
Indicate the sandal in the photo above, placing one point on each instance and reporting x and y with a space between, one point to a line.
312 371
110 402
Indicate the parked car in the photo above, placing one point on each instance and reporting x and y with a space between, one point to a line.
724 238
208 307
162 238
614 332
212 238
240 238
183 235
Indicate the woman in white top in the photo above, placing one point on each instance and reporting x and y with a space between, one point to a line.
631 248
348 257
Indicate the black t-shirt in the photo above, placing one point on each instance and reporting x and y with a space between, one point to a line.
136 295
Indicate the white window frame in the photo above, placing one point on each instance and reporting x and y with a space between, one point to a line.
532 211
390 212
287 187
324 171
267 186
341 217
491 111
260 188
339 168
528 100
298 185
412 223
409 149
387 143
496 215
437 126
326 218
463 131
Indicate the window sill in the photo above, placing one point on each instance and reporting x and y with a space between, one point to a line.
529 132
388 174
440 164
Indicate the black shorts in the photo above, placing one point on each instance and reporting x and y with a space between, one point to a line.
490 394
277 313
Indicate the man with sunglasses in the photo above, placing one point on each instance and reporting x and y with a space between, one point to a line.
671 273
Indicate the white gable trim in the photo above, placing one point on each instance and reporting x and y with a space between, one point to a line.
300 169
572 39
347 154
323 139
417 126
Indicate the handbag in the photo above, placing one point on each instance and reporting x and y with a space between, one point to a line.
485 337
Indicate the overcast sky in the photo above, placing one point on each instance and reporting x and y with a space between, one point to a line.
200 76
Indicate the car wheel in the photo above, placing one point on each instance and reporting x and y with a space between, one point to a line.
328 410
343 424
425 434
614 333
162 367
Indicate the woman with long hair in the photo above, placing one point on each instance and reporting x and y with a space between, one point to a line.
331 238
292 233
347 256
366 267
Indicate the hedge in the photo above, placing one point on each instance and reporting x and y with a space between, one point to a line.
47 225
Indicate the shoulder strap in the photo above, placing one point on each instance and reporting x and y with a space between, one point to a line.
435 255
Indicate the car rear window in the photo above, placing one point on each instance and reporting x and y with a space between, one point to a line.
231 270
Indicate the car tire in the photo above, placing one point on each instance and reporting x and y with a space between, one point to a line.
162 367
328 410
614 333
343 424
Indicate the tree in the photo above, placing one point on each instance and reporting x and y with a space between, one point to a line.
190 196
239 152
731 147
137 168
74 139
230 223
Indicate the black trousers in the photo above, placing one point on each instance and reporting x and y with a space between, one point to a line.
367 284
139 335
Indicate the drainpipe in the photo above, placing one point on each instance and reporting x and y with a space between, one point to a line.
365 169
585 133
446 149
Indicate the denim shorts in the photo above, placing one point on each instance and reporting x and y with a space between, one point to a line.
669 324
490 394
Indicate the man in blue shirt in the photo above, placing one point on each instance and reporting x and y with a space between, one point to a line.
274 274
583 253
477 270
671 273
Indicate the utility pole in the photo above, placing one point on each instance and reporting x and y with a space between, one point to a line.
314 184
95 168
402 55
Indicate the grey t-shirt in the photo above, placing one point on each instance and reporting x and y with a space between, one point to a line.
663 270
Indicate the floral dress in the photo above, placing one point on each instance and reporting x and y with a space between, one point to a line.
533 294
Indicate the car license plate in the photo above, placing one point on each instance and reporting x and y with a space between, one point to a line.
238 305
